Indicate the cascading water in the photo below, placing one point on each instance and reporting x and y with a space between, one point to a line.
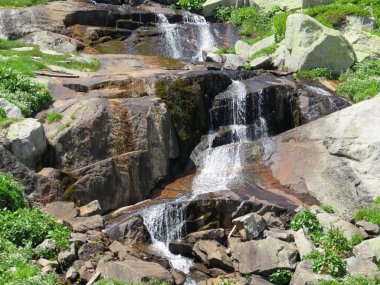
175 41
218 167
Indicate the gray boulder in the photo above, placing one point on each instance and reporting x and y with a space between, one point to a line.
92 208
310 45
133 271
213 254
361 23
368 249
305 276
210 5
262 62
250 226
364 44
363 267
291 5
245 50
10 109
28 141
263 256
233 61
304 244
84 224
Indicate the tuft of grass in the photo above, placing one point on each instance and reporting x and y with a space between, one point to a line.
279 24
320 72
362 82
21 3
356 239
3 114
328 209
225 50
53 117
370 214
351 280
265 51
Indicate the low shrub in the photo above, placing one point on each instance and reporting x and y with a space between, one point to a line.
21 3
253 22
225 50
369 214
281 277
327 263
336 242
362 82
320 72
29 96
356 239
307 220
25 227
223 13
11 193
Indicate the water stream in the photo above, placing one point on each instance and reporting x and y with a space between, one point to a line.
219 167
176 43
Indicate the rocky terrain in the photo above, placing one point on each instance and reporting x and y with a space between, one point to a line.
165 158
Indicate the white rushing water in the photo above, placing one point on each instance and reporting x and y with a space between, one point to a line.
219 166
176 42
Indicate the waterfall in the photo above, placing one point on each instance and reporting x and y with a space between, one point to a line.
218 167
176 39
171 36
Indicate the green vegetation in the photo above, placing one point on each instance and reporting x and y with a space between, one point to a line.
11 193
53 117
308 220
223 13
3 114
265 51
362 82
279 24
327 263
29 96
335 241
356 239
191 5
351 280
281 277
21 3
225 50
320 72
25 227
370 213
328 209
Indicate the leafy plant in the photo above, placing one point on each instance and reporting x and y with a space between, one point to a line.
328 209
31 227
47 253
370 214
248 278
11 193
3 114
336 242
281 277
21 3
327 263
223 13
54 117
191 5
307 220
29 96
247 66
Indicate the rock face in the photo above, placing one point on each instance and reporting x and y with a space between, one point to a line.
245 50
213 254
210 5
10 109
250 226
364 44
133 271
263 256
28 141
310 45
335 158
305 276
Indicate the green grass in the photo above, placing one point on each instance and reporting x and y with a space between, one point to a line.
53 117
11 193
281 277
3 114
21 3
327 263
279 25
328 209
369 214
362 82
265 51
225 50
320 72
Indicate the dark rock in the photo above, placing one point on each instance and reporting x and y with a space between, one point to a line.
213 234
64 211
182 248
178 277
213 254
84 224
132 231
92 208
90 250
124 252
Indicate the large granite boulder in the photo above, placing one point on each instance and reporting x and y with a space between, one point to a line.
291 5
335 159
210 5
311 45
213 254
364 44
263 256
10 109
304 275
245 50
28 141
